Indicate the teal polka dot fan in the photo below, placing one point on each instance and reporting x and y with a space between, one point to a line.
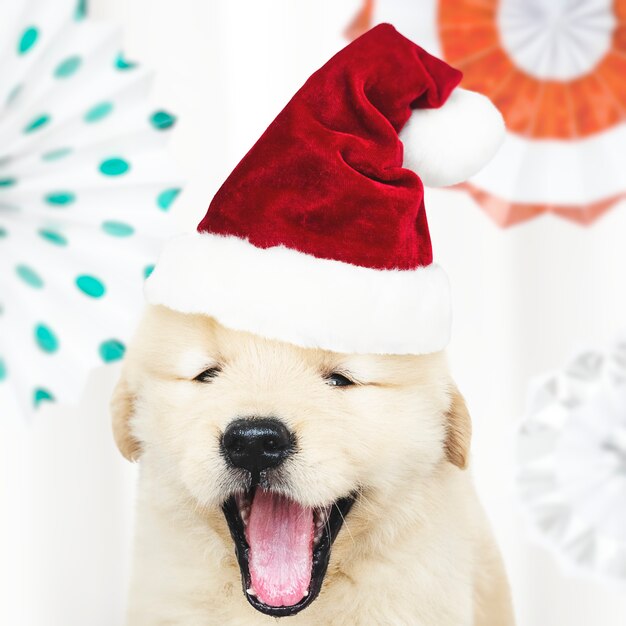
85 186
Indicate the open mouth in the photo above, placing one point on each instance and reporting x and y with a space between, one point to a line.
282 547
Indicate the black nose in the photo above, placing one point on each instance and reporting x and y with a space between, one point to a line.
257 444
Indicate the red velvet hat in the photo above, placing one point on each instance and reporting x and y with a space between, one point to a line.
319 236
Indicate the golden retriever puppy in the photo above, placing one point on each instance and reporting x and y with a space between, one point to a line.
282 481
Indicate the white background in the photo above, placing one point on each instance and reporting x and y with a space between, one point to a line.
525 299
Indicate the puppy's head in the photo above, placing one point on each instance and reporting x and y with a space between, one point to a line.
287 441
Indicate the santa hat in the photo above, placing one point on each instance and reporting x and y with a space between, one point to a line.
319 236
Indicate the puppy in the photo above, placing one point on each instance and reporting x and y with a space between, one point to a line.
285 481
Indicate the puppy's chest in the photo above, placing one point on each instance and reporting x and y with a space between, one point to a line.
212 596
395 600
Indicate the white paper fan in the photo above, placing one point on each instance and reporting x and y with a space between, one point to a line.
572 459
85 185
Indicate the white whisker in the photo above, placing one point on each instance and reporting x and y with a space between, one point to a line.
345 523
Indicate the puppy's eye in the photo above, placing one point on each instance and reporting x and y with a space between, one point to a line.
338 380
208 375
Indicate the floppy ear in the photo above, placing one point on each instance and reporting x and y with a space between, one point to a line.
122 408
459 431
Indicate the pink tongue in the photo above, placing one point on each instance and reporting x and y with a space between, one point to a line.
280 536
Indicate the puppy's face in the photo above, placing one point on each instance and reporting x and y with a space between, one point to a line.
287 441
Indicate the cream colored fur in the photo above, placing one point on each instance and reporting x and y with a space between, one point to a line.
415 549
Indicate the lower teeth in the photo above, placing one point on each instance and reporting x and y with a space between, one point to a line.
318 535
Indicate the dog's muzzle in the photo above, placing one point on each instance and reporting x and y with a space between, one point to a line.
282 547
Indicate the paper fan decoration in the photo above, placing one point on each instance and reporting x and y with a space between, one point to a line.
572 460
556 72
85 185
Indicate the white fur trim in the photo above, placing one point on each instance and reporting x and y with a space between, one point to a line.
315 303
450 144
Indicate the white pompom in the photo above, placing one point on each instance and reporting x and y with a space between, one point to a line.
448 145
